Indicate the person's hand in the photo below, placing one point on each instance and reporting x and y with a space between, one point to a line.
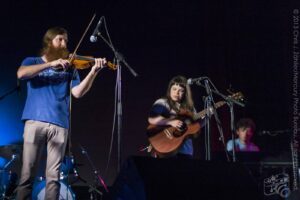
176 123
99 64
60 63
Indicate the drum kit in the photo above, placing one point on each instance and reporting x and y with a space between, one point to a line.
65 191
68 176
9 178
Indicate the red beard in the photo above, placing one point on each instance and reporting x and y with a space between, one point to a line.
53 53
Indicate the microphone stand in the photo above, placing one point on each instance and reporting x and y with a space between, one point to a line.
207 106
230 101
92 189
119 58
208 132
232 130
98 178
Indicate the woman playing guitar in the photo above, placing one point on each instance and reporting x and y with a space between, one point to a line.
165 111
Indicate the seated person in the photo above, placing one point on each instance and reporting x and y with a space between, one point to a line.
244 129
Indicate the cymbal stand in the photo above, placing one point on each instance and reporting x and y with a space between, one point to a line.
13 158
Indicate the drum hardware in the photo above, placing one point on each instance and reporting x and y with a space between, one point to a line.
4 178
68 172
7 179
65 192
13 158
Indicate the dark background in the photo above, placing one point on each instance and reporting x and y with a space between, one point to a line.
245 45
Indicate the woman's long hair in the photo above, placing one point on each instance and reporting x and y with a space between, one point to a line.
187 100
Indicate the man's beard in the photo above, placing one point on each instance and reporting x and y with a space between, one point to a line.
53 53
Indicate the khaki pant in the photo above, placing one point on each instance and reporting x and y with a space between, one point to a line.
37 135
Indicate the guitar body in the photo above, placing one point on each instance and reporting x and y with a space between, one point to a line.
166 140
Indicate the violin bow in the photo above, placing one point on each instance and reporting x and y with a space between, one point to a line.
72 57
83 35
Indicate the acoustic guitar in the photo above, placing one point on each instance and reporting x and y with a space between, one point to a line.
166 140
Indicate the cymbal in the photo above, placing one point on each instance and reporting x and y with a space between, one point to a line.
8 150
12 146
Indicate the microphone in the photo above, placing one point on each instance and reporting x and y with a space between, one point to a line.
93 37
191 81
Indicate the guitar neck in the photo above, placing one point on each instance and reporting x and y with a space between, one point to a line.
203 113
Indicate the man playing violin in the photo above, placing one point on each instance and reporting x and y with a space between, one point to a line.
46 111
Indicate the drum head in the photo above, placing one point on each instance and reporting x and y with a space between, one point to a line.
3 162
39 191
4 181
8 183
68 171
4 177
67 165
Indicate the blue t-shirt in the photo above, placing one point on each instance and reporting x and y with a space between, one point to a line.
48 94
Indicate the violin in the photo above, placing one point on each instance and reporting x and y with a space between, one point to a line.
84 62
